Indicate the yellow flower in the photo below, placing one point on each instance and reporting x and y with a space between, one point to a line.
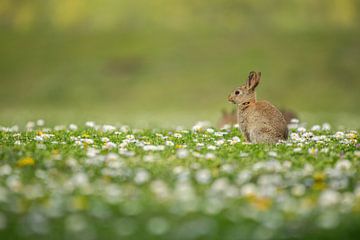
319 176
55 152
27 161
260 203
85 135
319 186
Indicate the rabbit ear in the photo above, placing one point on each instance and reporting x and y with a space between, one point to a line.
253 80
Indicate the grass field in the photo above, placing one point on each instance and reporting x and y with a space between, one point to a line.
109 182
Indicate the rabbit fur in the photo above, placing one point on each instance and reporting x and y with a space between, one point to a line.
259 121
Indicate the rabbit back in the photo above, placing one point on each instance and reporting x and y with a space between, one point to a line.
264 123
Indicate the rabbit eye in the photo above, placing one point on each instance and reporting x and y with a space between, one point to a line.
237 92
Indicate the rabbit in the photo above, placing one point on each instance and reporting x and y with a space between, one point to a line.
259 121
289 115
230 118
227 118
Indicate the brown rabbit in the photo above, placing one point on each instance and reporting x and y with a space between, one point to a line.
230 118
259 121
227 118
289 115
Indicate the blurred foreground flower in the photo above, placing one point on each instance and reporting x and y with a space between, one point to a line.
27 161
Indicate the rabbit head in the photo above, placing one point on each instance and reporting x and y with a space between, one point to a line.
246 93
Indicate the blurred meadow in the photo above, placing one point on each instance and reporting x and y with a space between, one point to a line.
170 62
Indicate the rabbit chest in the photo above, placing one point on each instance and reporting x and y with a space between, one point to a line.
243 123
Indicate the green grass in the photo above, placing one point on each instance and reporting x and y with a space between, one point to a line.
105 182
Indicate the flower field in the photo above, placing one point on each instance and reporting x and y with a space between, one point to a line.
116 182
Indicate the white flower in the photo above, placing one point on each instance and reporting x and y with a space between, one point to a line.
298 190
40 122
203 176
325 150
105 139
210 156
178 169
126 153
287 164
90 124
295 136
308 135
159 188
211 147
243 154
326 127
313 151
316 128
71 162
80 179
73 127
149 158
177 135
339 135
227 168
294 120
112 157
109 145
184 192
130 137
154 148
248 189
17 142
272 154
226 126
220 185
243 177
210 130
108 128
59 127
235 140
39 138
199 145
199 126
301 129
92 152
219 142
30 125
329 198
182 153
197 155
5 170
343 165
308 169
141 176
169 143
87 141
220 134
297 150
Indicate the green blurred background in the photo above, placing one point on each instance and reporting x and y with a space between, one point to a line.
172 62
